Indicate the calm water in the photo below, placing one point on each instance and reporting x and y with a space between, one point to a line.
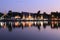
37 30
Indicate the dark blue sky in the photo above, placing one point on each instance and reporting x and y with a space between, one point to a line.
29 5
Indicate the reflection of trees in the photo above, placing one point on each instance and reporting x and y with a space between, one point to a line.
44 26
9 26
38 27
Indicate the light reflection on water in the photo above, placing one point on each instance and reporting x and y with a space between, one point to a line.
35 30
38 24
23 24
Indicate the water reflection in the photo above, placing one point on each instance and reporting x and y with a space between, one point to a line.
10 25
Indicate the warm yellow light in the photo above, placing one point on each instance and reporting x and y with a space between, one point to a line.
17 23
29 23
29 17
41 17
23 23
41 23
17 16
52 15
23 17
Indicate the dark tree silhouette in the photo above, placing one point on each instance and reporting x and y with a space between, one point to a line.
44 12
38 12
1 14
9 11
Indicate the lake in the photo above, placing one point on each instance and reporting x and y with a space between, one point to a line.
30 30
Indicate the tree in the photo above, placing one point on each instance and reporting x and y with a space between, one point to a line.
9 11
38 12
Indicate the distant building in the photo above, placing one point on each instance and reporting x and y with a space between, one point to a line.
54 15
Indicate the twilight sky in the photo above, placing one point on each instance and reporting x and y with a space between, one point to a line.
30 5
